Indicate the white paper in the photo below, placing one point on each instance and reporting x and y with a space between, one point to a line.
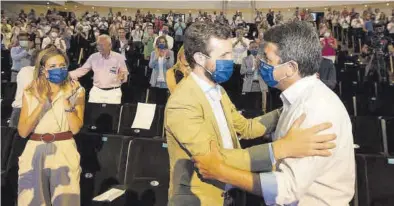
144 116
109 195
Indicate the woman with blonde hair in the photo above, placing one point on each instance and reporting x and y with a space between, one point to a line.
51 114
179 71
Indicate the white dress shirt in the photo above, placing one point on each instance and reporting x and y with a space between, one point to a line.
214 96
316 181
160 78
59 43
357 25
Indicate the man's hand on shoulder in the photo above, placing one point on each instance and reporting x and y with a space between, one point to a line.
300 142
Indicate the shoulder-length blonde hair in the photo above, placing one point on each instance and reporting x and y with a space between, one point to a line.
40 81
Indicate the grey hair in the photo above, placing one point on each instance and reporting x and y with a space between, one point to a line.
105 37
297 41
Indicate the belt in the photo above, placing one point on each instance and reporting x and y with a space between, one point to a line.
51 137
14 71
111 88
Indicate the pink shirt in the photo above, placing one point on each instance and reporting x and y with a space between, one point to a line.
327 49
105 70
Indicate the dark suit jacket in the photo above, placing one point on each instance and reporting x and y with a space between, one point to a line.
130 54
327 73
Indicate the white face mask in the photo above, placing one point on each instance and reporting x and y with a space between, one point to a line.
327 34
54 35
24 43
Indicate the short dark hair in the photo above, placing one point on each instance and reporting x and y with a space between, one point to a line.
197 38
297 41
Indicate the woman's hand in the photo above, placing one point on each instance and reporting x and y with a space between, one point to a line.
72 90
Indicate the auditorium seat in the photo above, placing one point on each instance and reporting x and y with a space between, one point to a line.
6 111
375 180
103 161
157 96
10 181
127 118
368 135
147 174
102 118
8 90
251 101
390 134
7 137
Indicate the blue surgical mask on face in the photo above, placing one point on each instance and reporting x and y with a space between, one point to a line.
58 75
162 46
267 73
224 70
254 52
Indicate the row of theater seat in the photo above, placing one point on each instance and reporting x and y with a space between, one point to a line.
138 165
141 167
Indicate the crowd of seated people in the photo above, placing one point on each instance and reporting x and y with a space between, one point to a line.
145 46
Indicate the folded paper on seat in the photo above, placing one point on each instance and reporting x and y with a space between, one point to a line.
144 116
109 195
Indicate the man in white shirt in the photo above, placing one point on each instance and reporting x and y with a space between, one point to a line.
240 51
54 39
345 23
358 25
164 32
290 62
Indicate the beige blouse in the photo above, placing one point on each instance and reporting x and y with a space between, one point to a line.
55 119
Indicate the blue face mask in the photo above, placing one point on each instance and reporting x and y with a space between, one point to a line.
254 52
224 70
162 46
267 73
58 75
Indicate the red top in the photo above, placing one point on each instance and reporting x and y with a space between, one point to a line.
327 49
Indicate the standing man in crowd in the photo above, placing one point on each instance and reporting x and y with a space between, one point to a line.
21 54
289 65
110 72
204 107
54 39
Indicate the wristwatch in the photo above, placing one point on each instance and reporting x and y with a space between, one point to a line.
72 109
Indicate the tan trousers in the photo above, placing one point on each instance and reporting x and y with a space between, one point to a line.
97 95
49 174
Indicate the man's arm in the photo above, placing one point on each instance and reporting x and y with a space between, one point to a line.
196 137
77 73
18 56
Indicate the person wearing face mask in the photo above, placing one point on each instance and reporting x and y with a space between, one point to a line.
240 51
204 106
161 59
164 32
253 84
109 73
54 39
329 46
303 181
136 35
21 54
79 43
51 114
390 27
